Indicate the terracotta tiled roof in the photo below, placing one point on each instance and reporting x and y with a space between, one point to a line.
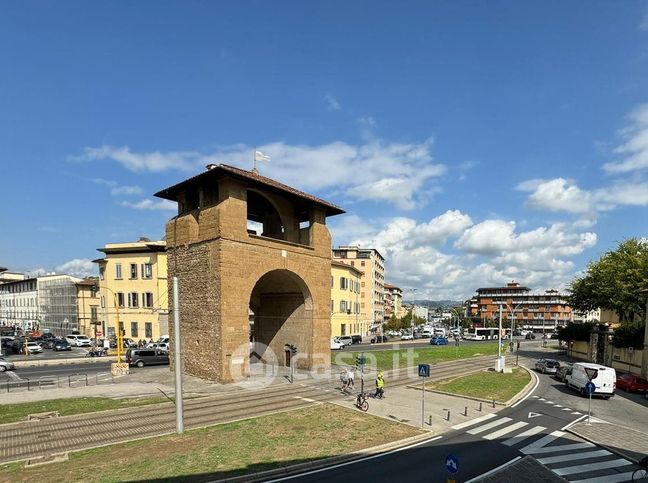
218 171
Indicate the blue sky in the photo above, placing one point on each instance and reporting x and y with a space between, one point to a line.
471 142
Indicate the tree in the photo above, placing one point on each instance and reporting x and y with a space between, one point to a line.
575 331
615 282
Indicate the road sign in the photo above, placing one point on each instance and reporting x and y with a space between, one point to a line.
590 387
591 372
424 370
452 464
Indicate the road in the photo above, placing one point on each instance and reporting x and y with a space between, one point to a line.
532 427
59 375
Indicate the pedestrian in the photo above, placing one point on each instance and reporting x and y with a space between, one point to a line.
456 338
350 378
518 345
344 379
511 347
380 385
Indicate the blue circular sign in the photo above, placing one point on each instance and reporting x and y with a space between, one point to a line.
452 464
590 387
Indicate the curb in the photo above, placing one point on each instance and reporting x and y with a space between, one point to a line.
611 449
61 362
326 462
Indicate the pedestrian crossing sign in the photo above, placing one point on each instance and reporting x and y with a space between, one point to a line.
424 370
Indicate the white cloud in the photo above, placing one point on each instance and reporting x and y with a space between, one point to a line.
155 161
395 173
332 104
557 195
116 189
163 205
487 253
78 267
634 149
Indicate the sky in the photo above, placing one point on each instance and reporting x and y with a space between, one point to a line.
471 143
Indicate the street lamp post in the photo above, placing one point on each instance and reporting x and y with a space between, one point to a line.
119 367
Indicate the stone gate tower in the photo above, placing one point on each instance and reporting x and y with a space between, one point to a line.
253 260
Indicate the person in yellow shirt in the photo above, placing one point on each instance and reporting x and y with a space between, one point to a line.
380 385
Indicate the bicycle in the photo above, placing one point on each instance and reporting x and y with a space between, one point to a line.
361 402
641 473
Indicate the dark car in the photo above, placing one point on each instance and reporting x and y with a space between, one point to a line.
561 373
438 340
146 357
529 336
47 344
629 383
379 338
61 345
356 339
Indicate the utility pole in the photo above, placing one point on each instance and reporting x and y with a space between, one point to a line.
177 355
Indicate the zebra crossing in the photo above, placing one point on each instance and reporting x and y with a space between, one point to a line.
559 406
580 462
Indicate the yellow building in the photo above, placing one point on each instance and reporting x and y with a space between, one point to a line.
88 306
346 317
134 276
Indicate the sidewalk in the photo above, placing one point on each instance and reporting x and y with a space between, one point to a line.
626 442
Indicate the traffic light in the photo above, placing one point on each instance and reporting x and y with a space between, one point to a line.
360 362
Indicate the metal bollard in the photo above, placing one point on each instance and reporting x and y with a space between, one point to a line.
465 411
430 421
493 402
448 416
480 407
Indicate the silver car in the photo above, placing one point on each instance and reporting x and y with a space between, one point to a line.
5 365
547 366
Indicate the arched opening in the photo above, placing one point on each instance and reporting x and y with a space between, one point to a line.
281 313
262 217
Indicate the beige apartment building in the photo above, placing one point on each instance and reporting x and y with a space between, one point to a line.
372 287
133 288
346 318
393 302
88 306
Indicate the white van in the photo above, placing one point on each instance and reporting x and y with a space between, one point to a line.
440 331
605 379
427 332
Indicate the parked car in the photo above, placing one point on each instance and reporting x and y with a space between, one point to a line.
604 379
407 337
336 344
379 338
33 348
438 340
78 340
630 383
547 366
530 336
61 345
346 339
356 339
561 373
146 357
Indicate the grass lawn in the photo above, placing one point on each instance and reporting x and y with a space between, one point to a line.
10 413
393 359
485 384
225 450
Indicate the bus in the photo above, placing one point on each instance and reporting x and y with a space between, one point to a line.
484 333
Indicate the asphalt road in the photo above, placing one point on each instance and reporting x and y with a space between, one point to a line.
532 427
59 373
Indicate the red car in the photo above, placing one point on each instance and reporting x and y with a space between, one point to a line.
629 383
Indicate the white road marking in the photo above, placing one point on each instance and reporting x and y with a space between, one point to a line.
537 382
536 397
573 457
557 406
615 478
473 421
576 412
505 430
567 409
542 399
549 402
542 442
13 375
563 447
304 399
486 427
570 470
522 436
533 415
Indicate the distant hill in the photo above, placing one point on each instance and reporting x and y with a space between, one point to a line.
435 304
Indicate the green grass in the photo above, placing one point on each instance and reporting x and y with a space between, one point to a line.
223 451
10 413
485 384
393 359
